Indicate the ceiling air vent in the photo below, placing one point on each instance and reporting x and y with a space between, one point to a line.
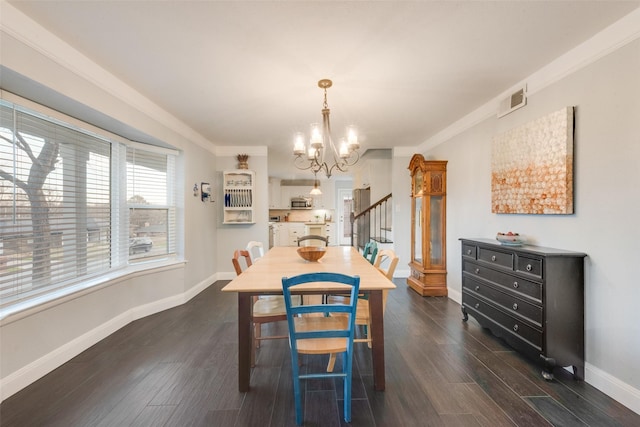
514 101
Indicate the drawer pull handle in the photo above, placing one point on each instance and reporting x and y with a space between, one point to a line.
477 288
493 257
515 305
515 328
468 251
477 304
477 271
529 268
515 285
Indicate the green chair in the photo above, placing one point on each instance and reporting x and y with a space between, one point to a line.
313 331
370 251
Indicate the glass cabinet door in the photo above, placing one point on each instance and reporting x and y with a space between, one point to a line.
435 230
417 183
417 230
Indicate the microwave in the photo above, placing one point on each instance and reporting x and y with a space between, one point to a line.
301 202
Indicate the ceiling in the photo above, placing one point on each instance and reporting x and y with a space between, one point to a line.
246 73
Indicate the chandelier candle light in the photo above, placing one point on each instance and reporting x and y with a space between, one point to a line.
321 144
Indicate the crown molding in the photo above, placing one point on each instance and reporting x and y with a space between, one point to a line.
612 38
19 26
234 150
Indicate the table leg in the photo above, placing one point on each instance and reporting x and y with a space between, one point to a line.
377 339
244 341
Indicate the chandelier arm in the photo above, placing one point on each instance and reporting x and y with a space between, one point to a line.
302 166
337 166
349 164
327 171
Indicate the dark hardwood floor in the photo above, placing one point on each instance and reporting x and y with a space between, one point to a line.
179 368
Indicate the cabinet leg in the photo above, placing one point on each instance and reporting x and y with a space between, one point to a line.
547 375
578 373
465 316
549 364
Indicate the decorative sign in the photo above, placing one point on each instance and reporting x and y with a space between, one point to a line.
532 167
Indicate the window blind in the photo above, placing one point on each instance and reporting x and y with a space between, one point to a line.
75 205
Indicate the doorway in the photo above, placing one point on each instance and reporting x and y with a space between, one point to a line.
345 207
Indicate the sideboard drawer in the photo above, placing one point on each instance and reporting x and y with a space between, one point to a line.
469 251
508 323
509 303
528 265
508 282
502 259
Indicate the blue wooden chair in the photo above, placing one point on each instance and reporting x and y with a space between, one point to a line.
313 331
370 251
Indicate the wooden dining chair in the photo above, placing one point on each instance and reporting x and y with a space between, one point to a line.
256 250
311 238
313 330
266 308
386 263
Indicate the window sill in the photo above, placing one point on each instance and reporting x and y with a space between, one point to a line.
20 310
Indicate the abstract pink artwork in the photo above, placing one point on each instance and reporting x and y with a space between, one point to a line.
532 167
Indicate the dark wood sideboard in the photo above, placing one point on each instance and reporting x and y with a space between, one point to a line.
530 296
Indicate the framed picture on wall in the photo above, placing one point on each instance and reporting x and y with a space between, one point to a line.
532 167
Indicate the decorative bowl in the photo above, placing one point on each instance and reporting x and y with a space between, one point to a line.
510 239
311 253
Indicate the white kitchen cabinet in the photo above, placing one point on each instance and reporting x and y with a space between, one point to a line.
275 194
275 234
285 197
330 232
328 195
296 229
281 234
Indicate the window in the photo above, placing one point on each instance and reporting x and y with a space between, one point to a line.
151 210
75 205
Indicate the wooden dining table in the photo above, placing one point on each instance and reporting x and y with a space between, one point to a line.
264 277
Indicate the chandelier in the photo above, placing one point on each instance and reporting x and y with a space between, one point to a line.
322 154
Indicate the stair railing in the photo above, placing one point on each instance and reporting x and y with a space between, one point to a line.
373 223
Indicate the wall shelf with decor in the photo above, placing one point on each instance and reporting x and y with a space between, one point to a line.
238 196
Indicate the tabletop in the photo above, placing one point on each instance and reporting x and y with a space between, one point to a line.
265 275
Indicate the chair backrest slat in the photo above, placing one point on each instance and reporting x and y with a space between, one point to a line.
370 251
236 260
322 239
384 256
254 246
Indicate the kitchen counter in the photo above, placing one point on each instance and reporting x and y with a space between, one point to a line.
302 222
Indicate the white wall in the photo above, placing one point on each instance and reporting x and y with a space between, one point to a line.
401 190
606 95
37 341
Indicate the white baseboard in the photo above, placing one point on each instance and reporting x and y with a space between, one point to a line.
37 369
455 295
227 275
401 274
624 393
613 387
